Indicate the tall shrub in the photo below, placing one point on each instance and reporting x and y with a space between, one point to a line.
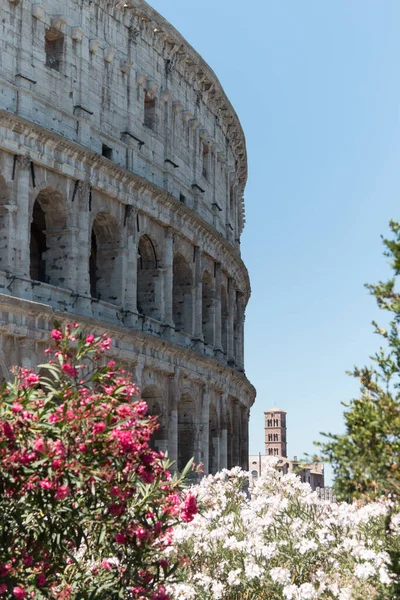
86 505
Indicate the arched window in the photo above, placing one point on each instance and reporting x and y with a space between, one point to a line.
148 281
182 295
207 309
186 430
152 395
213 441
48 241
105 259
224 319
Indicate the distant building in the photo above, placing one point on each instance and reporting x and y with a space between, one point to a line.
276 445
275 432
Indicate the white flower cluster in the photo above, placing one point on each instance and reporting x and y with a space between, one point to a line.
279 541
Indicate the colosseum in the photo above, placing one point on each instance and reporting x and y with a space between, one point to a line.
122 172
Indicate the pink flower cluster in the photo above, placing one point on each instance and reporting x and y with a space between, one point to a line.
86 445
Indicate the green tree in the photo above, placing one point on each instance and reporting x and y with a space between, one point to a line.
365 458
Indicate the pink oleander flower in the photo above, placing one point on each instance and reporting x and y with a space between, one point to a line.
28 560
106 565
19 592
45 484
17 407
62 492
56 334
120 538
3 588
32 379
189 508
8 430
39 445
90 338
98 428
69 369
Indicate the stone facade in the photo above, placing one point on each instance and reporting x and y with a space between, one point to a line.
122 171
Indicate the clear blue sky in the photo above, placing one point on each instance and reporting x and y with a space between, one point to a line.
316 85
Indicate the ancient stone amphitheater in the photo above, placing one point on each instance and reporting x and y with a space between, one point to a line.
122 170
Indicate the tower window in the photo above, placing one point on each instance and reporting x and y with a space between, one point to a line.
270 451
276 423
269 423
276 452
276 437
270 437
54 47
149 112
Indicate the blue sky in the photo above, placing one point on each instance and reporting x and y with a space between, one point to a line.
316 85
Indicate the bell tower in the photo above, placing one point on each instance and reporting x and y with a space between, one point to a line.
275 432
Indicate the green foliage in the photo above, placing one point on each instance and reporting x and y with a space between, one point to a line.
365 458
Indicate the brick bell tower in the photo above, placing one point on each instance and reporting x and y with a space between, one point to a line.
275 432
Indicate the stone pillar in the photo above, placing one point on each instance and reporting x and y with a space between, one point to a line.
167 309
173 399
22 232
81 247
204 429
139 370
217 310
131 265
223 446
231 320
240 332
197 298
245 415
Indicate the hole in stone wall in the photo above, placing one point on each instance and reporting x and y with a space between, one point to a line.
149 112
38 245
148 281
107 152
54 48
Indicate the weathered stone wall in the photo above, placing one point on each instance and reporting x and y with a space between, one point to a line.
122 169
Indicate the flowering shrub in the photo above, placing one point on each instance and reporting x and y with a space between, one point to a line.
279 542
86 504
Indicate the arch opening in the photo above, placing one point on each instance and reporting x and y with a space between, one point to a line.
207 309
148 280
186 430
224 319
153 397
105 267
182 295
49 242
213 441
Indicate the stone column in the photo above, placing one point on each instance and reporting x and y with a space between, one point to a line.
223 446
197 298
217 310
130 292
240 332
173 399
167 309
139 370
204 431
231 320
245 415
22 232
81 247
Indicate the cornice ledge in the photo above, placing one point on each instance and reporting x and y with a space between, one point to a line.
14 304
20 126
